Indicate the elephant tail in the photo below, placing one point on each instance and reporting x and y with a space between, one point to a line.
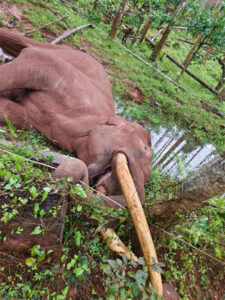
14 42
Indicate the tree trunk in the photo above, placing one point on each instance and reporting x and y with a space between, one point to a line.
203 83
95 5
117 19
222 78
221 95
190 56
208 182
145 29
208 52
167 31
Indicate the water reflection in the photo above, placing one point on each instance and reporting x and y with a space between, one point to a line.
175 152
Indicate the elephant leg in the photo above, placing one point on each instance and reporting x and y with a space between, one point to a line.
14 42
15 95
28 71
15 112
74 168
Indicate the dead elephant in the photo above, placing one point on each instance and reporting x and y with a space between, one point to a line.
66 95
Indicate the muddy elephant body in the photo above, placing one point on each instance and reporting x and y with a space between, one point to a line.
66 95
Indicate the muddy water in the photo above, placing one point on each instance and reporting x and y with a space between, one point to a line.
174 152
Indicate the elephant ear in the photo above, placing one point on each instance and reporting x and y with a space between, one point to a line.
135 168
74 168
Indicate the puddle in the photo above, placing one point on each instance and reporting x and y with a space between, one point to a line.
174 153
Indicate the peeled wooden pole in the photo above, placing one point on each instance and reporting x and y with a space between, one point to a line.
116 245
139 219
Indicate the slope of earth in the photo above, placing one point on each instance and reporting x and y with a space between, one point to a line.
85 263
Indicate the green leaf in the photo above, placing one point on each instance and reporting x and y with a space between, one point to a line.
36 208
23 200
37 230
44 196
79 207
60 297
69 179
78 190
19 230
10 126
35 250
141 261
170 196
135 290
218 253
113 264
34 192
42 213
49 158
65 290
31 262
47 189
78 271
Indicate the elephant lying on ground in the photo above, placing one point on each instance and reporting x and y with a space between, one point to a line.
66 95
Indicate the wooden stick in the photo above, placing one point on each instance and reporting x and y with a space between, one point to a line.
206 46
48 24
139 219
116 245
69 32
214 91
43 3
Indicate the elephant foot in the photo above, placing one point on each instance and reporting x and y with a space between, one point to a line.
74 168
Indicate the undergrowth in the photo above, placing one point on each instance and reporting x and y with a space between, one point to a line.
85 266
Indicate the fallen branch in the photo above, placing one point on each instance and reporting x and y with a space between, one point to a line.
48 24
43 3
69 32
174 27
212 108
116 245
214 91
203 47
53 10
179 28
76 7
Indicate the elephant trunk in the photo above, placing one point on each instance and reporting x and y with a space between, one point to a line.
139 219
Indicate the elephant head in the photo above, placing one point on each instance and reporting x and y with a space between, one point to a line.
118 136
98 150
